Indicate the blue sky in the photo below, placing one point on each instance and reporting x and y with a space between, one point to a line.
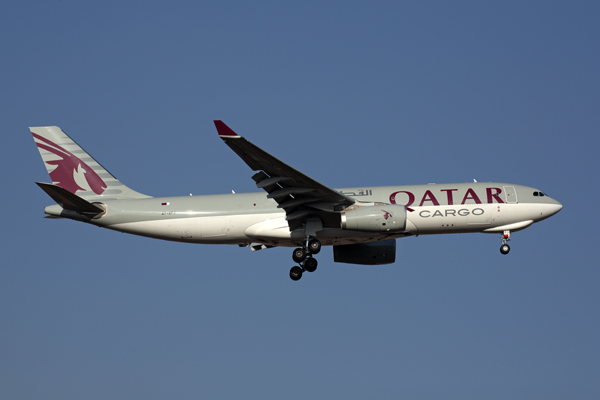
352 94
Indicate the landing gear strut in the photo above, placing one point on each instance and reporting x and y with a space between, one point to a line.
505 248
304 256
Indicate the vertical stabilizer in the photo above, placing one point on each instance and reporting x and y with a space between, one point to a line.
73 169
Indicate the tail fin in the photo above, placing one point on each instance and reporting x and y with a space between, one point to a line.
71 168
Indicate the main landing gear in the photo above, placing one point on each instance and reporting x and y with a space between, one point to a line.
304 256
505 248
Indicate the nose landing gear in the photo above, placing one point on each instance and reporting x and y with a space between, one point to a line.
505 248
304 257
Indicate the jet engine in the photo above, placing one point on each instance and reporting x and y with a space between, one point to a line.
374 253
379 218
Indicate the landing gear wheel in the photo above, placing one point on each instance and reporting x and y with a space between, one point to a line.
314 246
296 273
310 264
299 255
505 248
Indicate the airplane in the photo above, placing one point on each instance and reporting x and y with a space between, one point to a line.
294 210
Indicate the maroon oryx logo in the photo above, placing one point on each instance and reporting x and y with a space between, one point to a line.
69 165
387 214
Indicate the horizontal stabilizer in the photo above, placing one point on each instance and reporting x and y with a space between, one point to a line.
68 200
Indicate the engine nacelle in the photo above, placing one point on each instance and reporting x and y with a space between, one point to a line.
382 218
374 253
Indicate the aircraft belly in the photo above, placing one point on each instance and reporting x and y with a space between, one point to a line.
213 229
517 226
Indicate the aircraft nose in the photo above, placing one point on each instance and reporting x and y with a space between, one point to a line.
556 207
549 209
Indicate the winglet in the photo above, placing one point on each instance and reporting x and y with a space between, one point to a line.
225 131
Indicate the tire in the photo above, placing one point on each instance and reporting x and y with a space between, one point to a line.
504 249
299 255
296 273
314 246
310 264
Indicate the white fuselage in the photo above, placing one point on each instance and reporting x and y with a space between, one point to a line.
252 218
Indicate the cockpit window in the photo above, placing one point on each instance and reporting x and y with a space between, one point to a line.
540 194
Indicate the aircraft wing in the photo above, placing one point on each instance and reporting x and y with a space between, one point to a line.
300 196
